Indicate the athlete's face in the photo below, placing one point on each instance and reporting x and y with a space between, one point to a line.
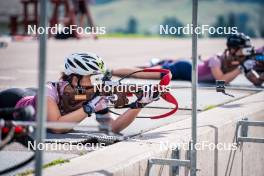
236 52
84 82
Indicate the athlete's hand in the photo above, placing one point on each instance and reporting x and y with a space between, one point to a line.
122 99
148 95
248 65
97 104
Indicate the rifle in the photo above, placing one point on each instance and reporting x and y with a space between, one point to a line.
259 67
256 75
248 54
118 92
10 132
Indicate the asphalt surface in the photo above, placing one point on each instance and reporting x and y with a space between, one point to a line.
18 68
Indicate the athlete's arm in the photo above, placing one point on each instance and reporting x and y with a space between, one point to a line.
53 115
124 120
256 80
141 75
228 77
148 95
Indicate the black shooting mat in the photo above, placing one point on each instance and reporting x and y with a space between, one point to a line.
83 136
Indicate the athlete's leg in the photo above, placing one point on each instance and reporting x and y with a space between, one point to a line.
183 70
180 70
141 75
9 97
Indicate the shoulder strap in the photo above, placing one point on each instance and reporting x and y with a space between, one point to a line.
57 86
60 105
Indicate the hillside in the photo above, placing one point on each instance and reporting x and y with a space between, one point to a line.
151 13
115 14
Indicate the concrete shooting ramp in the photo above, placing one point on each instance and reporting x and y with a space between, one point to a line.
216 126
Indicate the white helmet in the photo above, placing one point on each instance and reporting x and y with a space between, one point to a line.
84 64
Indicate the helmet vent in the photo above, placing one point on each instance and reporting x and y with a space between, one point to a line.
86 60
89 65
70 62
80 64
95 63
88 57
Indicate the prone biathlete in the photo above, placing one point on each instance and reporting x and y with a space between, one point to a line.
80 69
226 66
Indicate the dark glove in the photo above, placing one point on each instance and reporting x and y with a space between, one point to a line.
247 65
122 100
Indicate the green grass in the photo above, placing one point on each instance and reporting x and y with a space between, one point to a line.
209 107
53 163
132 36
